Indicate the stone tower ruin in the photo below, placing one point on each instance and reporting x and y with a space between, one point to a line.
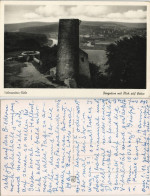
68 50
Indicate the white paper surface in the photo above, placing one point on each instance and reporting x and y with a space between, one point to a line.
70 147
40 93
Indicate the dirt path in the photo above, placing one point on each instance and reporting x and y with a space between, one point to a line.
31 77
25 75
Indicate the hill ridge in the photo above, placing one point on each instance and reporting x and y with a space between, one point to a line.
26 25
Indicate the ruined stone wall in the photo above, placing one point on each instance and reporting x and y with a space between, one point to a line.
68 49
84 64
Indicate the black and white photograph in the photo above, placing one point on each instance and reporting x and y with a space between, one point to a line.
75 46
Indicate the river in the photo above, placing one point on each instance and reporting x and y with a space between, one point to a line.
54 41
98 57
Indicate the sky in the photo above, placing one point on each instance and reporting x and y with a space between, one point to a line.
52 13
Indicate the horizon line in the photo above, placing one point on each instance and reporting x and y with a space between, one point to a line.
81 22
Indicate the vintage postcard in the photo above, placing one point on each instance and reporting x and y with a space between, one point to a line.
75 49
75 147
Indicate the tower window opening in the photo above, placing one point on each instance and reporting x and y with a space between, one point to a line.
82 59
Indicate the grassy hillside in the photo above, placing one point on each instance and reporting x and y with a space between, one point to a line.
17 26
114 24
43 27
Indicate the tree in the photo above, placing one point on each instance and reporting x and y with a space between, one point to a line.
127 63
48 57
17 41
98 79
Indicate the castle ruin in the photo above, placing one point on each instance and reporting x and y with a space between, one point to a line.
72 62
